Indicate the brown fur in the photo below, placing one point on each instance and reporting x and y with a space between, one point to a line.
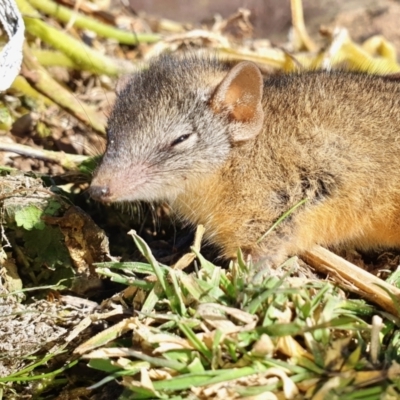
330 138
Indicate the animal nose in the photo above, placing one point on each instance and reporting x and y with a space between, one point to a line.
99 193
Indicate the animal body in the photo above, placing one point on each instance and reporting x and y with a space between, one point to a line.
233 151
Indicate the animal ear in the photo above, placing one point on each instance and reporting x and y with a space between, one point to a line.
240 94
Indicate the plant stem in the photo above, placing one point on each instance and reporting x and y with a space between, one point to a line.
67 161
65 14
79 53
51 58
44 83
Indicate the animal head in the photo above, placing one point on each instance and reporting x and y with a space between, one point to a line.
175 122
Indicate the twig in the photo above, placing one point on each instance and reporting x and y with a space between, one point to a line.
64 14
342 271
67 161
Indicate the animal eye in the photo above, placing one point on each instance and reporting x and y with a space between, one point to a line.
180 139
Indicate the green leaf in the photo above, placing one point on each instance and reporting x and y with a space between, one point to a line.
279 330
103 365
29 218
195 341
47 247
52 207
159 362
89 165
158 270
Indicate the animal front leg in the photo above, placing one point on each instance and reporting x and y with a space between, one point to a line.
272 250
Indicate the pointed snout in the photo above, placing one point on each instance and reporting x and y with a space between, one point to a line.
113 183
101 188
100 193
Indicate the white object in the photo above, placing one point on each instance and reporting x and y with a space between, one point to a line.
11 54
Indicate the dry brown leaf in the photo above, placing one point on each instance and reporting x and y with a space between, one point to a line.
290 347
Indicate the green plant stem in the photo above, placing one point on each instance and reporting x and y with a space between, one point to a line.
22 85
79 20
280 219
50 58
44 83
81 54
